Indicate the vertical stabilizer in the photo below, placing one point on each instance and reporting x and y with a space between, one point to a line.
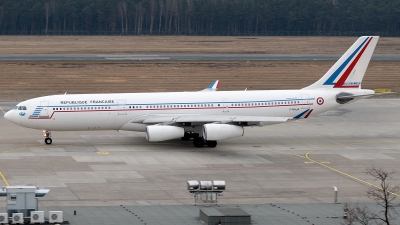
213 86
349 70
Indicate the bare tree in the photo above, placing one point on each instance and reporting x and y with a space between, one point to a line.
121 15
122 8
153 8
47 11
53 8
357 213
176 10
140 14
384 195
190 6
161 14
1 14
168 13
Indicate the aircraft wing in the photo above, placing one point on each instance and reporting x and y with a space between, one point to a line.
213 86
204 119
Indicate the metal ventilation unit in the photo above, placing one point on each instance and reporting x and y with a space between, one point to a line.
55 216
17 218
206 191
37 217
3 218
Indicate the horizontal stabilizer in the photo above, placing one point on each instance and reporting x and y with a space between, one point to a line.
350 96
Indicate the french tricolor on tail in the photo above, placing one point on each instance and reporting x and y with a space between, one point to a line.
349 70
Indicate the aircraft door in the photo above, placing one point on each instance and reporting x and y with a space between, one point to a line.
305 101
225 105
45 109
122 107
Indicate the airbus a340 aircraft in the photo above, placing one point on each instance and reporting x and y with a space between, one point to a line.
205 116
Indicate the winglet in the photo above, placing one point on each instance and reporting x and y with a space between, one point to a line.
213 86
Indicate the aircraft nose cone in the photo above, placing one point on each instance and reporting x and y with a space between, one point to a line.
8 116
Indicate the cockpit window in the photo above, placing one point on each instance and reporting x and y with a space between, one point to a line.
21 107
15 108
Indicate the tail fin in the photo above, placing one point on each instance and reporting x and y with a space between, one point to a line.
213 86
349 70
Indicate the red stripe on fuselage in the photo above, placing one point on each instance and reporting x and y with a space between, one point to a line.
308 113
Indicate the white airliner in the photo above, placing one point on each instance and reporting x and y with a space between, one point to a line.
206 116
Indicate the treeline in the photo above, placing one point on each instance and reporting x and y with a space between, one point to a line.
200 17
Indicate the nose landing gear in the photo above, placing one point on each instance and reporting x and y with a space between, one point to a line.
48 139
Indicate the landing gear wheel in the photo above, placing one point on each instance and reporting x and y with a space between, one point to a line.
186 137
212 144
198 142
48 141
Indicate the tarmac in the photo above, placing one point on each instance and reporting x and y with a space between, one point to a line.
105 174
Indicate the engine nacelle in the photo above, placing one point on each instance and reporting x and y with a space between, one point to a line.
215 132
163 132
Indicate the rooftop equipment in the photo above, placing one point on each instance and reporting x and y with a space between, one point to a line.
206 191
21 202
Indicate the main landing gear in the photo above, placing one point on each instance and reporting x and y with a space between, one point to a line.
198 142
48 139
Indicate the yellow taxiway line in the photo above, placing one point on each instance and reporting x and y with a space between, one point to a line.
4 179
2 110
307 155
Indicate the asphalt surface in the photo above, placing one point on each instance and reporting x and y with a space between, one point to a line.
206 57
115 177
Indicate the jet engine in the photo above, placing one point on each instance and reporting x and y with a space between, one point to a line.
217 132
163 132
